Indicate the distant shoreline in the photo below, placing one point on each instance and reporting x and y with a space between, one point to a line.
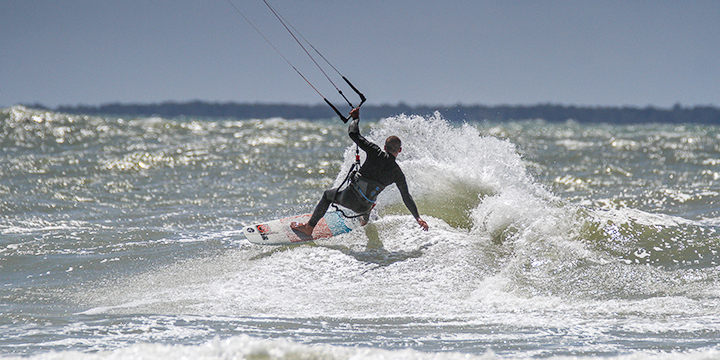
548 112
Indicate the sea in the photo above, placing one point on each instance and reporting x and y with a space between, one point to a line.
120 238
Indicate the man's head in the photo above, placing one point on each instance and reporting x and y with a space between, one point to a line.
393 145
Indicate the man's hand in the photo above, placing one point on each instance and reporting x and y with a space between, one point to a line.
423 224
355 113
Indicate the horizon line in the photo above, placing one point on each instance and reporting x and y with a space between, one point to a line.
677 105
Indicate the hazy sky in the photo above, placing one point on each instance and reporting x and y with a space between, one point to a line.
606 53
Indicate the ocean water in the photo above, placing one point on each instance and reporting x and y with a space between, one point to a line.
120 239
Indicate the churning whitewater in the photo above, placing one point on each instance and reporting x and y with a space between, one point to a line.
121 237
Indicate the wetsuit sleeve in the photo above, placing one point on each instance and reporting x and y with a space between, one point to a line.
407 198
354 133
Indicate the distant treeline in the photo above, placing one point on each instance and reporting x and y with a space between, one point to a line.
548 112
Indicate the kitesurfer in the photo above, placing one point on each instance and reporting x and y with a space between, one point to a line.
377 172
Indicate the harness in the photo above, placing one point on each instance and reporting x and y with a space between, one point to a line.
353 180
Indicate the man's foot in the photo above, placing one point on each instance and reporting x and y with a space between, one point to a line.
304 228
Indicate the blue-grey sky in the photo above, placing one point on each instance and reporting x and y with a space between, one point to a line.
582 52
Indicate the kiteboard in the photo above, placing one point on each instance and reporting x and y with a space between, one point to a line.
279 232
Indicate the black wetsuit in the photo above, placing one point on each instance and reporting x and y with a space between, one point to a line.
377 172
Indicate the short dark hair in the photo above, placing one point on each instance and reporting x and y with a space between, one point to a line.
393 144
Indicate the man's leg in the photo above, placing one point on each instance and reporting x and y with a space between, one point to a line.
322 206
320 210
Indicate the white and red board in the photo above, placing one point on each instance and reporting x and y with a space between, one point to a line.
279 232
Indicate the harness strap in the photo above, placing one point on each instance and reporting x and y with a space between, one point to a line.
359 190
351 216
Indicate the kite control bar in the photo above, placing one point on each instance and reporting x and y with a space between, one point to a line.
362 101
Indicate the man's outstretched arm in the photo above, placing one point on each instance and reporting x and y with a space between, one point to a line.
410 204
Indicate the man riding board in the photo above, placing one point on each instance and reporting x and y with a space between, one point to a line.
377 172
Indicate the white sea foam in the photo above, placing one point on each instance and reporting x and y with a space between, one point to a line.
244 347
